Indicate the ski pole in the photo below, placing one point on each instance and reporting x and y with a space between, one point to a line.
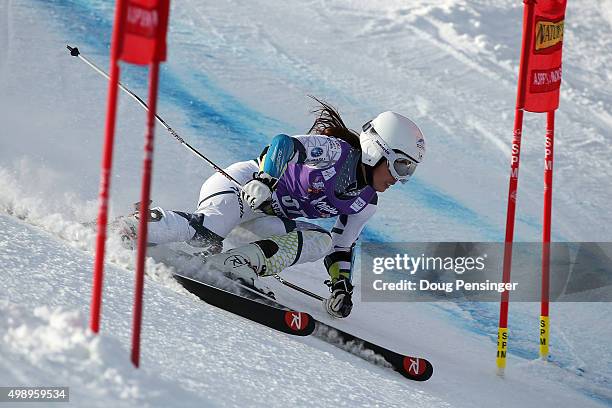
299 289
74 51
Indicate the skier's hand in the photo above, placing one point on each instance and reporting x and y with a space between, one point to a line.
339 304
259 190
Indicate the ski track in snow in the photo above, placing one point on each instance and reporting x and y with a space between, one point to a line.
199 87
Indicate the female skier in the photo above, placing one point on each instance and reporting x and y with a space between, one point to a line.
330 172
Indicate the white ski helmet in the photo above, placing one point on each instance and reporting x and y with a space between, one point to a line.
397 139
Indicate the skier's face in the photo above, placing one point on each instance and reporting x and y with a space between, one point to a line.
382 178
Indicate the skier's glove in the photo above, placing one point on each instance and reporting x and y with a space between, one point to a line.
339 304
259 190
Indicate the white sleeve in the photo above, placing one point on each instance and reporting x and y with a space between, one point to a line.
344 235
349 227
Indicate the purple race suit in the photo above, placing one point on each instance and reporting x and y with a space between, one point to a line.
321 180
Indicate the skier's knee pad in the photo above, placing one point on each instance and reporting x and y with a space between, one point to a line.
280 251
296 247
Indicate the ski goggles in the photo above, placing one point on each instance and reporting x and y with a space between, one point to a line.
401 166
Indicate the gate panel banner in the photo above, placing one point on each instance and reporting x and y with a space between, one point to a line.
544 67
144 31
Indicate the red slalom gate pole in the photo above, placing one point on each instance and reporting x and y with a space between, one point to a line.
548 179
144 213
107 160
502 331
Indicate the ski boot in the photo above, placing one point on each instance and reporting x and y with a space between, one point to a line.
245 263
127 226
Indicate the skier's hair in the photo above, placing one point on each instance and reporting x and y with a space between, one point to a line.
329 123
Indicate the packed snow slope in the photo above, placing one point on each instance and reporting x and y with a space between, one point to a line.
238 73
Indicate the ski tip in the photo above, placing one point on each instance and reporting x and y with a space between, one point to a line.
417 369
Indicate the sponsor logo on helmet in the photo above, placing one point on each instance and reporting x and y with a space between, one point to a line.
382 147
421 146
548 36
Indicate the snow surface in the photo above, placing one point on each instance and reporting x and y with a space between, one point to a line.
238 73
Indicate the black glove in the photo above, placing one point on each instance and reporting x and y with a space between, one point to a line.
339 303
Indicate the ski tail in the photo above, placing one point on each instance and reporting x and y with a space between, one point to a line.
287 321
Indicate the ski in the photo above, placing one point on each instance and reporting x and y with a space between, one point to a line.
276 316
286 321
413 368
